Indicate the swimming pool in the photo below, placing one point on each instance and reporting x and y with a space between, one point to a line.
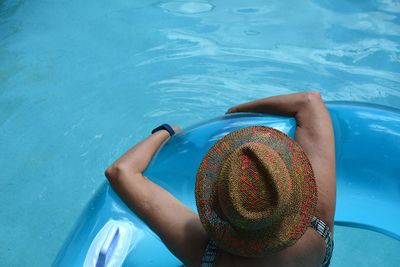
81 82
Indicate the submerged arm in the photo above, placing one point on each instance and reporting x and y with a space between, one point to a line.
178 226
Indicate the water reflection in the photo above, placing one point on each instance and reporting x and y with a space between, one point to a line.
187 8
74 70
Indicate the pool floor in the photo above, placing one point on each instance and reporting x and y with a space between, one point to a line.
82 81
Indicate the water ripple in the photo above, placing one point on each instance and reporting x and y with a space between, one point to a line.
188 8
82 81
184 46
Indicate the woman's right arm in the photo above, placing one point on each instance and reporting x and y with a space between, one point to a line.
314 132
177 225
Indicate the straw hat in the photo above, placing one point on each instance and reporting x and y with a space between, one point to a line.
255 192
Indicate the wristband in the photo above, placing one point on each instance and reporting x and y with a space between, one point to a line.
166 127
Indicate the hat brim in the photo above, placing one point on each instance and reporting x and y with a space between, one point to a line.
298 215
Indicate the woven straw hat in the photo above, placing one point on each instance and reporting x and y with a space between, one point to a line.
255 192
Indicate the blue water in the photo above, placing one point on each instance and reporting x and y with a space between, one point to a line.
82 81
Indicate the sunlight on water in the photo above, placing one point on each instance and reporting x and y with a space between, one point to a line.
82 81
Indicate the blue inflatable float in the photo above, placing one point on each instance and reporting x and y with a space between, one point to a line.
368 185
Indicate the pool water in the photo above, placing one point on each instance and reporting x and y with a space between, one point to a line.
363 248
82 81
379 250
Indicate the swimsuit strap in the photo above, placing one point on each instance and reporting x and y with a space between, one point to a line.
323 229
209 254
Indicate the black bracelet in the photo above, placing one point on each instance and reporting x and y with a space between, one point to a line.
166 127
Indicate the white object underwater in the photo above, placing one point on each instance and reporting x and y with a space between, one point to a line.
112 244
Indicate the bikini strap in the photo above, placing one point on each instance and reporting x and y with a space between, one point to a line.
209 254
323 229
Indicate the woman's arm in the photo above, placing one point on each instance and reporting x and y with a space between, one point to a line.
138 157
178 226
284 105
314 133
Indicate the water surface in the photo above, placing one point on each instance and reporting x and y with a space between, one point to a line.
82 81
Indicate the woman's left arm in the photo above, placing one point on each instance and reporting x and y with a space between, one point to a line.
177 225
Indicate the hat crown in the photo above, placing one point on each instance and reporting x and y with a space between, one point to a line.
253 187
255 222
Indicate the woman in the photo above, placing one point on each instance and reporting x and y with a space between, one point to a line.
182 230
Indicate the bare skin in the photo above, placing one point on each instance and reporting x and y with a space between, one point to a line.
180 228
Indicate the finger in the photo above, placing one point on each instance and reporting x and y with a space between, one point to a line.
176 128
231 110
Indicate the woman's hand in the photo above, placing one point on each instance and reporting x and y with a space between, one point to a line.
232 110
176 128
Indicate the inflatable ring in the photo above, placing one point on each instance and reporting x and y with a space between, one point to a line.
368 185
